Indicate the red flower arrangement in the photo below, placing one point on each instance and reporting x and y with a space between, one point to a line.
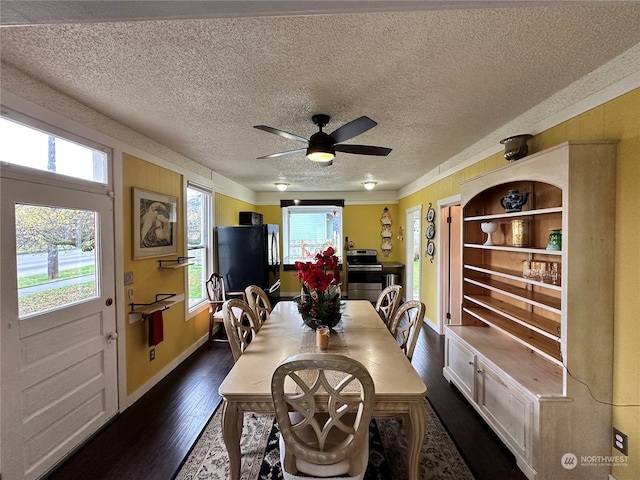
319 302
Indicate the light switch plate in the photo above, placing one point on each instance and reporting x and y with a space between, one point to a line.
128 278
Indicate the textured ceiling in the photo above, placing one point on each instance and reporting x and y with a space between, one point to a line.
437 80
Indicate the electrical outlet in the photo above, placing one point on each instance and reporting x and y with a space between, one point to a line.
620 441
152 354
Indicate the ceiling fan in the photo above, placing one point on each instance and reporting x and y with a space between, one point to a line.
322 147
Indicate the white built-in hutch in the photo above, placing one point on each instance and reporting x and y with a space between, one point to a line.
533 353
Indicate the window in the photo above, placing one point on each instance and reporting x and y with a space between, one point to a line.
56 257
198 243
28 147
308 230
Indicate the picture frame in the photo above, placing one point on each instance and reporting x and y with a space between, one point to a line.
155 217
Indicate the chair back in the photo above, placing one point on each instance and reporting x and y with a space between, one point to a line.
259 302
239 324
406 325
215 292
323 430
387 304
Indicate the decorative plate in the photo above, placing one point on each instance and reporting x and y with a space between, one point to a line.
431 214
431 248
431 232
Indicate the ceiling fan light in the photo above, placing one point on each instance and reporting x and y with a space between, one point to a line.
369 185
320 148
319 156
281 186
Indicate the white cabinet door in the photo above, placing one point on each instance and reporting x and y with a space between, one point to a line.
460 367
507 408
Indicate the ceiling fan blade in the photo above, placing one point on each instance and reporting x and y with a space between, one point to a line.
363 150
273 155
353 128
282 133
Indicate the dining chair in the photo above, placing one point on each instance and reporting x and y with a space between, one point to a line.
217 296
387 303
406 325
240 325
323 436
259 301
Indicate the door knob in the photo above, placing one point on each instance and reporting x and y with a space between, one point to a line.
111 336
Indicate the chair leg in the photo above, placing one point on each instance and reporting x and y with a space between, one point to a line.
210 334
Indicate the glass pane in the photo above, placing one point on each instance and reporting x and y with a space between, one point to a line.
197 276
416 256
312 233
56 257
197 243
196 217
26 146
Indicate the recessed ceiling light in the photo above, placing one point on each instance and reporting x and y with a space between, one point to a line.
281 186
369 185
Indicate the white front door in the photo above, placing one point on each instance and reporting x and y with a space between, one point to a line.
57 334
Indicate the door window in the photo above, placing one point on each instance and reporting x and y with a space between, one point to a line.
56 257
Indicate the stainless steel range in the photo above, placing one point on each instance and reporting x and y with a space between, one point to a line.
364 275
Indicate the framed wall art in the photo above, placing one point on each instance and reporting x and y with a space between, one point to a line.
155 216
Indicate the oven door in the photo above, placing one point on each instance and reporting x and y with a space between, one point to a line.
364 282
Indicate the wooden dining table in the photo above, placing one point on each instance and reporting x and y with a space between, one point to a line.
361 334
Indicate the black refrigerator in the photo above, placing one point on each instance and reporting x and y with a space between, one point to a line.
249 255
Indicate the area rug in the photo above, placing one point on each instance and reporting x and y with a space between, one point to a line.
439 459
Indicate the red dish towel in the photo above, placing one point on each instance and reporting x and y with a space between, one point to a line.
155 328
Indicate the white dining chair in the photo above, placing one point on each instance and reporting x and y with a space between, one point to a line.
259 302
323 436
387 303
406 325
240 325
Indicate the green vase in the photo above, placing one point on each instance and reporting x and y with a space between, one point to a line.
555 240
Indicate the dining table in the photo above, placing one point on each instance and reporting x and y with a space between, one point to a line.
362 335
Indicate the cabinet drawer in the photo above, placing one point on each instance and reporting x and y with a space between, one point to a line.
507 408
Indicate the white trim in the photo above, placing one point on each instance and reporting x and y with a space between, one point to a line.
232 189
189 311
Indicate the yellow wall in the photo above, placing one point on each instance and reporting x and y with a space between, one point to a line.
616 119
150 280
227 210
362 225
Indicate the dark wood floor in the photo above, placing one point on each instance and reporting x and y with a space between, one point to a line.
151 439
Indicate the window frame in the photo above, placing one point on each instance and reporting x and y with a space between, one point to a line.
316 208
206 245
